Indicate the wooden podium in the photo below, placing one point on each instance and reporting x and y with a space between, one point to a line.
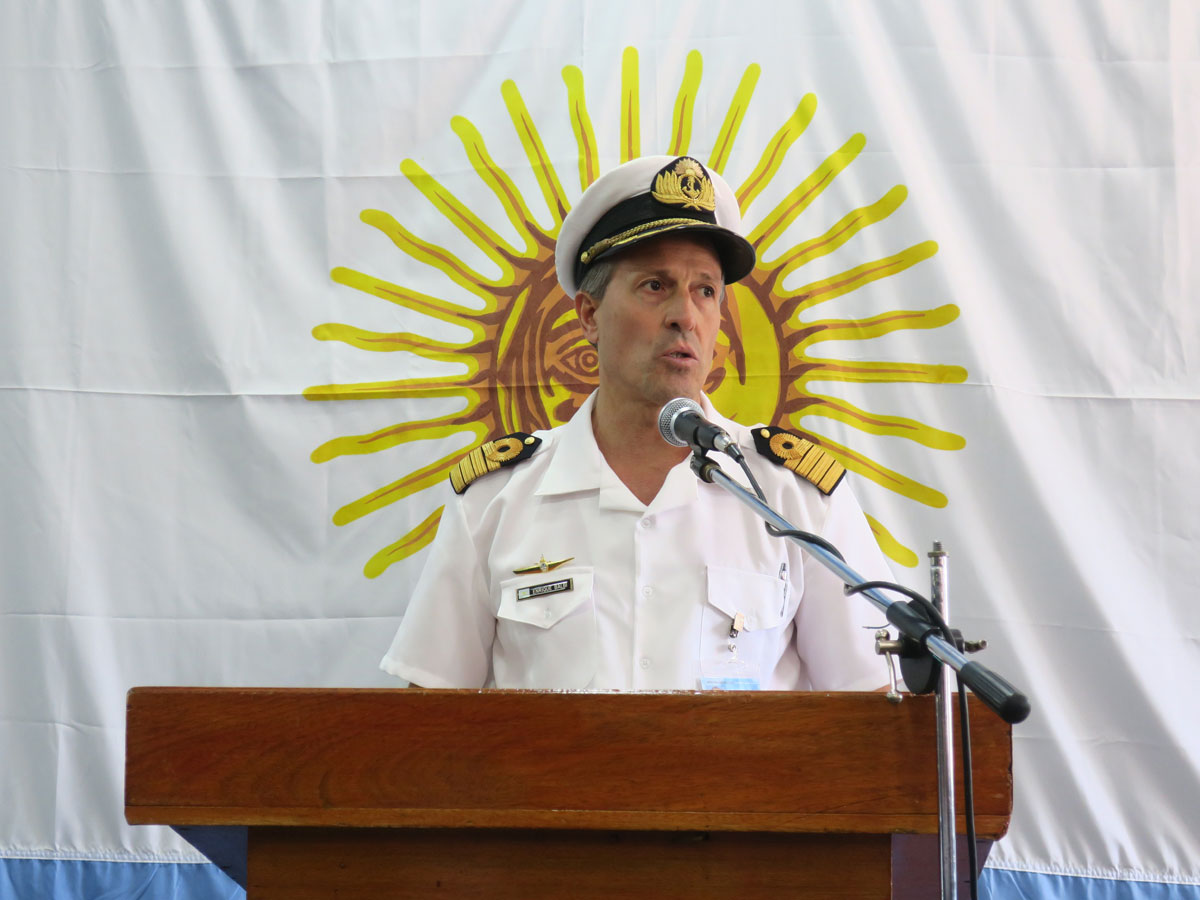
491 794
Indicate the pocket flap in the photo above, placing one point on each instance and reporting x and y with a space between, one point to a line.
761 599
544 598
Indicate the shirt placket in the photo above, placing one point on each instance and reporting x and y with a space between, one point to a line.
644 554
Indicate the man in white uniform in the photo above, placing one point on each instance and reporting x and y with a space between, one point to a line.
590 556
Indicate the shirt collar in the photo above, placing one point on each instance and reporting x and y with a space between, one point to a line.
577 462
578 465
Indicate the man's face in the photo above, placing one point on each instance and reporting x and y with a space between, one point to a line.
657 325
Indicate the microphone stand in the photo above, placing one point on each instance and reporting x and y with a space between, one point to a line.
914 624
939 581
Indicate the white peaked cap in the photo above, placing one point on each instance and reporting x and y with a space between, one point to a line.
645 198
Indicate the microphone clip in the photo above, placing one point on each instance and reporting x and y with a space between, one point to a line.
702 466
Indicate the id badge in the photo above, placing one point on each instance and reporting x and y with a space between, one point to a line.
728 670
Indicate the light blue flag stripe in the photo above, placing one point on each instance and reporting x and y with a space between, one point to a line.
54 879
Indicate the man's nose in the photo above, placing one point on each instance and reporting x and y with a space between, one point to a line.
681 311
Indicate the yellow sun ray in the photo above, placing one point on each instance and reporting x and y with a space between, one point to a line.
827 289
392 436
877 326
880 372
631 141
410 484
581 124
733 119
775 151
879 473
402 296
890 426
889 545
380 342
408 388
685 102
846 228
768 231
536 153
461 217
428 253
417 539
495 178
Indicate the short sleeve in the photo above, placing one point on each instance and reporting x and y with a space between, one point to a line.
835 634
445 638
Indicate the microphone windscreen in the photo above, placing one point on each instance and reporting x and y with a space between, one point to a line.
670 413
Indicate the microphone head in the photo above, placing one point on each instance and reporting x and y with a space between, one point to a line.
668 416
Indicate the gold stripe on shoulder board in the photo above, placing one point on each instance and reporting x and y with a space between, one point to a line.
492 456
801 456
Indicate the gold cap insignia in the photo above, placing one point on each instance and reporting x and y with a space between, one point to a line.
685 183
491 457
800 455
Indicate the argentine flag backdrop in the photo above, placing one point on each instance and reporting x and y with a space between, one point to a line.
268 269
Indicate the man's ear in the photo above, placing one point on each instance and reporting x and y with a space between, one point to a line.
585 308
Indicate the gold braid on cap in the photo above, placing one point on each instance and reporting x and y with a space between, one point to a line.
491 457
800 455
637 230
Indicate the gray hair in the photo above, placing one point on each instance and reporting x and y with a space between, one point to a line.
595 280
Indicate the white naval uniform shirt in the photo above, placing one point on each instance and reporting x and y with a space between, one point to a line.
654 590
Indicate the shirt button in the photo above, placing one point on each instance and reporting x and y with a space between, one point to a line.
647 592
644 662
646 522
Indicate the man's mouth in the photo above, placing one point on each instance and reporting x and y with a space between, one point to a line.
679 353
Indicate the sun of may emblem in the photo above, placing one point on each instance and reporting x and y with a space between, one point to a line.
525 365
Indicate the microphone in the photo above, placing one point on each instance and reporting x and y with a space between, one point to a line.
682 424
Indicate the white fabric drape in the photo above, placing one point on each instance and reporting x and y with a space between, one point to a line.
178 181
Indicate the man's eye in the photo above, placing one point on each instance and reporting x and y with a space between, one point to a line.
654 284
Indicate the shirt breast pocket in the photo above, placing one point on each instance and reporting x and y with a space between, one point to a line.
743 628
546 631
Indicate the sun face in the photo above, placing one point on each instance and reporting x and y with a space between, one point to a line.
527 366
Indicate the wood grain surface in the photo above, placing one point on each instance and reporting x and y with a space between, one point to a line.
308 863
752 762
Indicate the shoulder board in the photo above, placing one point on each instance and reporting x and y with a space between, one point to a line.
491 457
800 455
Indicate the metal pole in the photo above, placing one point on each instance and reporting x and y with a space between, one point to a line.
939 583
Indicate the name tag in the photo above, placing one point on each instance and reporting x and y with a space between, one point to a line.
541 590
736 683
